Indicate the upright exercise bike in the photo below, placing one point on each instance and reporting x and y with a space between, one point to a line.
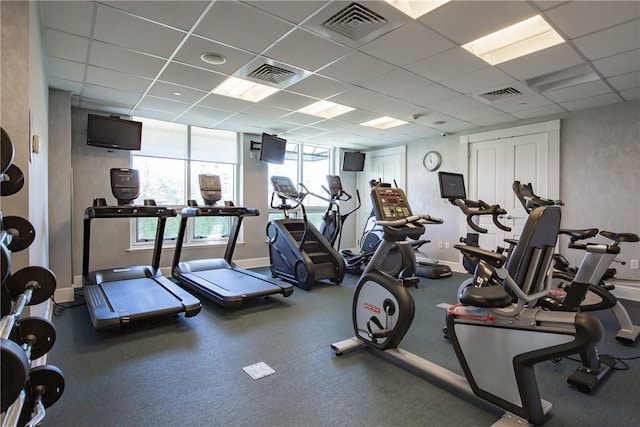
497 336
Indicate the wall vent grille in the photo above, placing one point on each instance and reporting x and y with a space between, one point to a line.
355 21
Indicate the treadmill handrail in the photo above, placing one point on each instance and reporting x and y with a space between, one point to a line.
129 212
235 211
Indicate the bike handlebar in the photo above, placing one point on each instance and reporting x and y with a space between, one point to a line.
473 208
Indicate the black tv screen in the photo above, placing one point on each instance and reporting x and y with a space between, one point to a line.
272 149
353 161
114 133
452 185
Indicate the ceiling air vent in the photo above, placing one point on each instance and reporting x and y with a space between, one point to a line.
271 73
500 94
355 21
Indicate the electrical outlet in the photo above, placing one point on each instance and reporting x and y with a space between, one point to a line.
440 244
447 245
634 264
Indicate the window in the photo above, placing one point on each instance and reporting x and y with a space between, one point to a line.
311 169
171 158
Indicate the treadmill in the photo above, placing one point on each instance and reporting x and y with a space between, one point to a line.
119 296
219 279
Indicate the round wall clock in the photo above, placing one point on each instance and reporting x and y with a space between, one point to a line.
432 161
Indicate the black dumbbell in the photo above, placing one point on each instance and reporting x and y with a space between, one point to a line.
12 181
6 151
45 386
35 284
5 257
22 232
15 372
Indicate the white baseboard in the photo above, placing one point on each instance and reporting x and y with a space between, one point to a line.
626 289
64 294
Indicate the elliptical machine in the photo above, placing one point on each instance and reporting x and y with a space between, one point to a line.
497 336
333 219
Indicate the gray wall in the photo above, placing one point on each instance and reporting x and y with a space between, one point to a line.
599 173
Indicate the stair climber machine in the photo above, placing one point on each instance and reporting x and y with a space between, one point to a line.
299 253
497 336
118 296
219 279
584 288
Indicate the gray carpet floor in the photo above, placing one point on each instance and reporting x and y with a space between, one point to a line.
188 371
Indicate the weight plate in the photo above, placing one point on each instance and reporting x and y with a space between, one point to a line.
12 181
48 382
22 232
5 263
44 279
39 333
15 369
6 151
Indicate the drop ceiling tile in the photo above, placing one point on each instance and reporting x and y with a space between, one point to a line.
407 44
525 102
66 46
118 80
69 16
543 111
358 116
619 64
100 105
72 87
631 94
358 97
625 81
125 30
480 112
266 111
288 50
225 103
213 114
454 105
446 65
202 122
429 94
485 79
611 41
493 120
463 21
167 91
288 100
240 25
195 46
592 102
150 113
578 18
547 4
307 131
179 14
186 75
117 58
63 69
294 11
332 125
393 108
162 104
318 86
121 98
396 83
300 119
542 62
577 92
356 68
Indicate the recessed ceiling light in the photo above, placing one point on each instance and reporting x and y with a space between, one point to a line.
213 58
176 93
384 123
523 38
326 109
416 8
244 89
439 122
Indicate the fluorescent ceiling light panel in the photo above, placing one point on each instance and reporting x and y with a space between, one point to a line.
416 8
326 109
523 38
244 89
384 123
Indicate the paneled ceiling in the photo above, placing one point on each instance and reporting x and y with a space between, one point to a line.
143 58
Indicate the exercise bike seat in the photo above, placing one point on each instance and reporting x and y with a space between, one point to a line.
621 237
581 234
485 297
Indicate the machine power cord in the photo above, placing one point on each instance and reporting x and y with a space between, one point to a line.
59 308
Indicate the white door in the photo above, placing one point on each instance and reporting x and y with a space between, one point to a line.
494 164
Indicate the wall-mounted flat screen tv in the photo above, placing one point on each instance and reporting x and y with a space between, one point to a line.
114 133
353 161
272 149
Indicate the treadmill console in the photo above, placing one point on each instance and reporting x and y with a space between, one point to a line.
125 185
210 188
389 203
284 185
335 185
